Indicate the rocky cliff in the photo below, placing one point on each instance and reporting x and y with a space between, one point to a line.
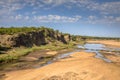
34 37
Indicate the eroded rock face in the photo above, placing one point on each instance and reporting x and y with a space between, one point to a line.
67 38
6 40
32 38
29 39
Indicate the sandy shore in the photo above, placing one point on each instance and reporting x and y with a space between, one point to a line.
107 42
79 66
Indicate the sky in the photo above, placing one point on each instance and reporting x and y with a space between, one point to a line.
79 17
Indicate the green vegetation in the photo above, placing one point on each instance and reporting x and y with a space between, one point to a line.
13 30
16 53
84 38
100 38
54 40
3 49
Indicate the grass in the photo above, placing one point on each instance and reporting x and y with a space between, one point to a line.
16 53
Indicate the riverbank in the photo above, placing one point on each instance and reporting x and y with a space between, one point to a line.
34 59
79 66
15 53
28 58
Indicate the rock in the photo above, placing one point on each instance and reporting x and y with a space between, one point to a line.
37 38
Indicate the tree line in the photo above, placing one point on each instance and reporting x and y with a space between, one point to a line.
13 30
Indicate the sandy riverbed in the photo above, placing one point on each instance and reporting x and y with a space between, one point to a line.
107 42
79 66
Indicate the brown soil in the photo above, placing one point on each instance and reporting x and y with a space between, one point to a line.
79 66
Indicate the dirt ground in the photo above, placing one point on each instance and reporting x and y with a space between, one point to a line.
79 66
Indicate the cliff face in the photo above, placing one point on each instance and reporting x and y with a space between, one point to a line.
32 38
29 39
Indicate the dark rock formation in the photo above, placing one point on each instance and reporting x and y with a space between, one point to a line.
29 39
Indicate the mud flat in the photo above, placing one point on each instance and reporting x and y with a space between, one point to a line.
79 66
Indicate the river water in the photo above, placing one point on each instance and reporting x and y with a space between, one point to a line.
95 48
88 47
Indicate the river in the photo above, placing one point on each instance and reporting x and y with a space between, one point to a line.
88 47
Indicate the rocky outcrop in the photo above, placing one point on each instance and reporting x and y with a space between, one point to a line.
6 40
32 38
68 37
29 39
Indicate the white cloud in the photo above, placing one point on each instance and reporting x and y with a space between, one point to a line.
34 12
65 19
55 2
18 17
9 6
41 18
56 18
104 8
118 19
92 17
8 9
107 8
27 17
103 20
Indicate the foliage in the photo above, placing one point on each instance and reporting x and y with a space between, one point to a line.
14 54
75 37
13 30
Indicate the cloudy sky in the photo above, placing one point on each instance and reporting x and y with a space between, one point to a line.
83 17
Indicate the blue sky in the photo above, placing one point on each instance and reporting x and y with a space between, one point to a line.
81 17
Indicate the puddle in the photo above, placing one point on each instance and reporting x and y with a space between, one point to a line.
64 55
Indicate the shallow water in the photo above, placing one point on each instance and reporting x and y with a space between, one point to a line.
88 47
96 48
57 57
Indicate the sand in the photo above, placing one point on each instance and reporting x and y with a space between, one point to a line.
52 52
107 42
79 66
